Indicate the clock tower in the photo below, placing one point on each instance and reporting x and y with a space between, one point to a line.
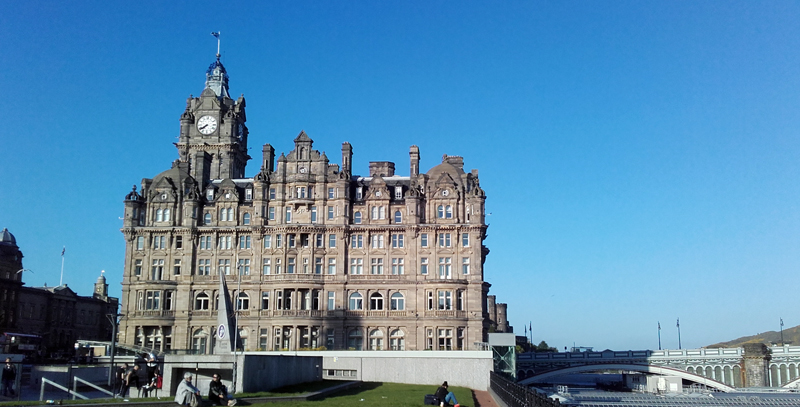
213 135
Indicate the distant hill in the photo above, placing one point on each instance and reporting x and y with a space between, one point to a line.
790 335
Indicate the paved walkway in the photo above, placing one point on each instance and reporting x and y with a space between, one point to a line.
483 399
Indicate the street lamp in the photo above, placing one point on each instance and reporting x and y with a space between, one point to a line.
114 321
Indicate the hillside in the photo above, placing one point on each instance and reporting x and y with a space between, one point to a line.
790 335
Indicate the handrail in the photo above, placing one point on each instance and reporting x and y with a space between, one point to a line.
77 379
58 386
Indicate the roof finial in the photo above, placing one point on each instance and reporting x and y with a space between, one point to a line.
216 34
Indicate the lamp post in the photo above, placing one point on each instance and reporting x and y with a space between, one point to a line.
113 319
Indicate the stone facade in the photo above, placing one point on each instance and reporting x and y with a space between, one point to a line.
313 255
10 279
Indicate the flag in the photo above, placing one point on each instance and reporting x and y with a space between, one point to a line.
679 323
659 326
215 33
63 250
781 322
526 330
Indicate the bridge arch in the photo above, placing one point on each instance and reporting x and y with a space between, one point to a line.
664 371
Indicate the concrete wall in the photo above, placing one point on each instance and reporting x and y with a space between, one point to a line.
460 368
266 372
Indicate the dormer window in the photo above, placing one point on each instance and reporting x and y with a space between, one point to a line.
359 193
210 194
398 192
248 194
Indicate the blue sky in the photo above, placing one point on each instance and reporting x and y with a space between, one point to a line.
640 158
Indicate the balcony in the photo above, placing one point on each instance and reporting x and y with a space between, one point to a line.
445 314
314 278
155 314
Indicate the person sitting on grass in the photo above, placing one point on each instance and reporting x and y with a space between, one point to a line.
218 393
187 394
445 396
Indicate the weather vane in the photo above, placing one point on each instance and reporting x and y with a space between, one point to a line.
216 34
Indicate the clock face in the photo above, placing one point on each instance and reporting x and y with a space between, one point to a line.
207 125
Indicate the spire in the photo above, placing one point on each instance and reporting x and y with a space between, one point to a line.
217 79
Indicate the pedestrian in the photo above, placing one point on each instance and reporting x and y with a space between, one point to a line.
131 377
218 392
120 379
9 375
187 394
152 363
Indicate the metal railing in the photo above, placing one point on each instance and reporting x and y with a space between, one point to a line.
515 395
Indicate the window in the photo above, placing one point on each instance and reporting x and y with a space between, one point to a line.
313 214
423 265
288 214
356 266
140 243
332 241
278 242
357 241
301 192
331 193
266 267
396 341
378 212
357 218
398 192
203 267
290 240
179 242
246 218
225 242
331 266
440 212
356 302
397 240
377 242
244 267
376 339
271 213
201 301
318 265
445 267
263 339
157 270
242 302
176 267
330 213
207 218
445 300
445 339
354 340
444 240
152 300
374 212
210 194
460 339
398 302
331 300
267 241
277 266
329 341
290 265
460 304
398 217
224 267
199 340
448 212
248 194
465 265
423 240
223 215
137 267
272 193
244 242
205 243
159 242
429 339
376 266
305 265
159 215
265 300
397 266
359 193
376 302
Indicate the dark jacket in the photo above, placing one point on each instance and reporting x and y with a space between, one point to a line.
217 390
9 372
441 393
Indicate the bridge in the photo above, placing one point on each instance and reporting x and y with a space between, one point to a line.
753 365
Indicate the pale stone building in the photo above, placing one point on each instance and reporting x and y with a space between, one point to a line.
313 254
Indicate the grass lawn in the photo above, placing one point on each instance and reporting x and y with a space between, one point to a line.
380 394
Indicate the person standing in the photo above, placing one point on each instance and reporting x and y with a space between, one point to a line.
9 375
152 364
120 379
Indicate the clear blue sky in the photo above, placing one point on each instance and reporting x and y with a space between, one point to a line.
640 158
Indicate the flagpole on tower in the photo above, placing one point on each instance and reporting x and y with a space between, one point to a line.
679 333
659 335
61 281
216 34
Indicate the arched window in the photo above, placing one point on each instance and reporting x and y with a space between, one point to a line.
246 219
398 217
201 301
374 212
376 302
396 340
242 302
199 340
166 215
207 218
448 212
357 218
376 339
381 212
159 215
440 212
230 214
356 302
354 339
398 302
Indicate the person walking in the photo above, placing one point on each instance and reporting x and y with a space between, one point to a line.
9 375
